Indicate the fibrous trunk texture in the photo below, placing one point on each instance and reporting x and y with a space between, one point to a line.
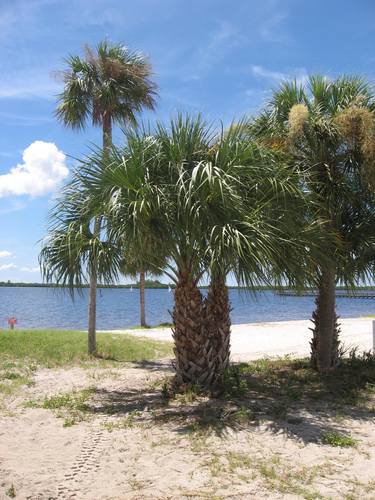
325 343
195 362
217 314
142 297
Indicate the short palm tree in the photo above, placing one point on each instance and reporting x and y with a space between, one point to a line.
210 210
327 129
202 204
257 228
110 85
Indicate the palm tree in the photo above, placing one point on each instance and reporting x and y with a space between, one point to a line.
258 228
111 84
140 264
205 205
207 209
326 128
72 244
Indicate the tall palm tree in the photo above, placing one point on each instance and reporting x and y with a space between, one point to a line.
72 245
139 264
326 128
111 84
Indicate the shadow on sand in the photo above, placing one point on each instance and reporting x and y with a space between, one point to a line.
284 396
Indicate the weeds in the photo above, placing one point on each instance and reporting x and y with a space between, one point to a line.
71 406
337 439
128 422
11 492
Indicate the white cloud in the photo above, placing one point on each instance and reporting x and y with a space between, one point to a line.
43 87
5 267
225 35
300 74
4 253
30 269
42 170
14 206
271 29
263 72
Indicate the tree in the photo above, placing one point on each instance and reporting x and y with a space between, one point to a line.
72 244
258 230
111 84
208 205
326 128
140 264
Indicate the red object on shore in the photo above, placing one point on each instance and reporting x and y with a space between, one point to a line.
11 322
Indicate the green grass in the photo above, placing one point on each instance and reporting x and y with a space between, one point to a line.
287 380
150 327
277 390
338 439
23 351
72 406
11 492
53 348
74 400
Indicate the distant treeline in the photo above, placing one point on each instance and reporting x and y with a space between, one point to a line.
148 284
158 284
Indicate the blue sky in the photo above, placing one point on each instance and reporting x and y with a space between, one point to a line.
214 56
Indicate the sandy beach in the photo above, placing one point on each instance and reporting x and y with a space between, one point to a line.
257 340
123 440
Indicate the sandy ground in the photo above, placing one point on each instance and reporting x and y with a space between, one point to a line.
257 340
131 446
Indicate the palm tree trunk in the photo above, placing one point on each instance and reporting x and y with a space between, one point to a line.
217 315
107 132
142 297
92 313
107 141
325 342
92 298
194 363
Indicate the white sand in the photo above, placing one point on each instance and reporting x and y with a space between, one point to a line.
256 340
132 446
156 456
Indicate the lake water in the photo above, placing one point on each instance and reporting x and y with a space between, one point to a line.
119 308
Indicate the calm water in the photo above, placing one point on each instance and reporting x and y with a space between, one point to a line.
119 308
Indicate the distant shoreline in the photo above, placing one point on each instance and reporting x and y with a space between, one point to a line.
54 285
157 285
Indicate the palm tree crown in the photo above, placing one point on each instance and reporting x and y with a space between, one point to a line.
327 129
110 83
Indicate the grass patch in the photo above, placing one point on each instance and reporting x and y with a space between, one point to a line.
70 400
53 348
71 406
275 475
13 376
23 351
11 492
338 439
285 381
127 422
150 327
277 390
